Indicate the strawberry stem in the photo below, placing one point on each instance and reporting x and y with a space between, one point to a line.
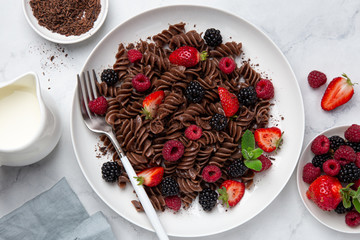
140 180
348 79
349 195
203 55
146 113
223 196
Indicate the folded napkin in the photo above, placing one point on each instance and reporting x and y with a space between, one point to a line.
55 214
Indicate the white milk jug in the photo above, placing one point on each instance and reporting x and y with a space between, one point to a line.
29 130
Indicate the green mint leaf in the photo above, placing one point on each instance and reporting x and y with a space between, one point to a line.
248 140
257 153
246 154
356 204
357 193
253 164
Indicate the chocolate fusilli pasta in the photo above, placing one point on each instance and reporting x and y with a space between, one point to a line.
143 139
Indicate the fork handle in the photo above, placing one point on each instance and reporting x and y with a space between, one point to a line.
140 191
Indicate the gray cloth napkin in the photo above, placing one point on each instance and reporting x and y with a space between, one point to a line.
56 214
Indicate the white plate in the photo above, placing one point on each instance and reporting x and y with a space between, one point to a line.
58 38
330 219
288 104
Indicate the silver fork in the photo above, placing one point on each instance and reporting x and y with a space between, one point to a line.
86 93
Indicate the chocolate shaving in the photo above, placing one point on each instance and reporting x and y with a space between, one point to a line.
66 17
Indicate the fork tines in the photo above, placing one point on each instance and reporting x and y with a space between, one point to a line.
87 90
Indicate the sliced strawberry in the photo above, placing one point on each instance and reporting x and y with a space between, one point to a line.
150 177
339 92
187 56
231 192
268 139
229 102
151 103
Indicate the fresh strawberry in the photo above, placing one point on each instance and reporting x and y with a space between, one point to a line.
268 139
150 177
231 192
339 92
187 56
229 102
151 103
325 192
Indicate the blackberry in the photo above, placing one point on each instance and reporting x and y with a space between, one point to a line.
247 96
212 37
340 209
218 122
349 173
318 160
354 145
110 171
109 76
208 199
169 187
336 142
194 92
237 168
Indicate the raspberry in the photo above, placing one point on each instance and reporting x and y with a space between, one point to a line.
141 83
265 89
194 92
318 160
352 219
208 199
237 168
169 187
173 150
110 171
316 79
212 37
357 160
227 65
173 202
320 145
134 55
310 173
266 163
211 173
352 134
331 167
109 76
218 122
98 105
193 132
247 96
345 155
336 142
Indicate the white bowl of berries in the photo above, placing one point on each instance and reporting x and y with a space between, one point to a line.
328 178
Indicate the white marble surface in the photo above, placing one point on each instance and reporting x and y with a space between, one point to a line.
321 35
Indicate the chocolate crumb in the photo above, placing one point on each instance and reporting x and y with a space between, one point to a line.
52 58
66 17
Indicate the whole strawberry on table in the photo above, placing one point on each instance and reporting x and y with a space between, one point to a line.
334 174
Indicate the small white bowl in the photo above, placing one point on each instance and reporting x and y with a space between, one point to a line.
330 219
58 38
